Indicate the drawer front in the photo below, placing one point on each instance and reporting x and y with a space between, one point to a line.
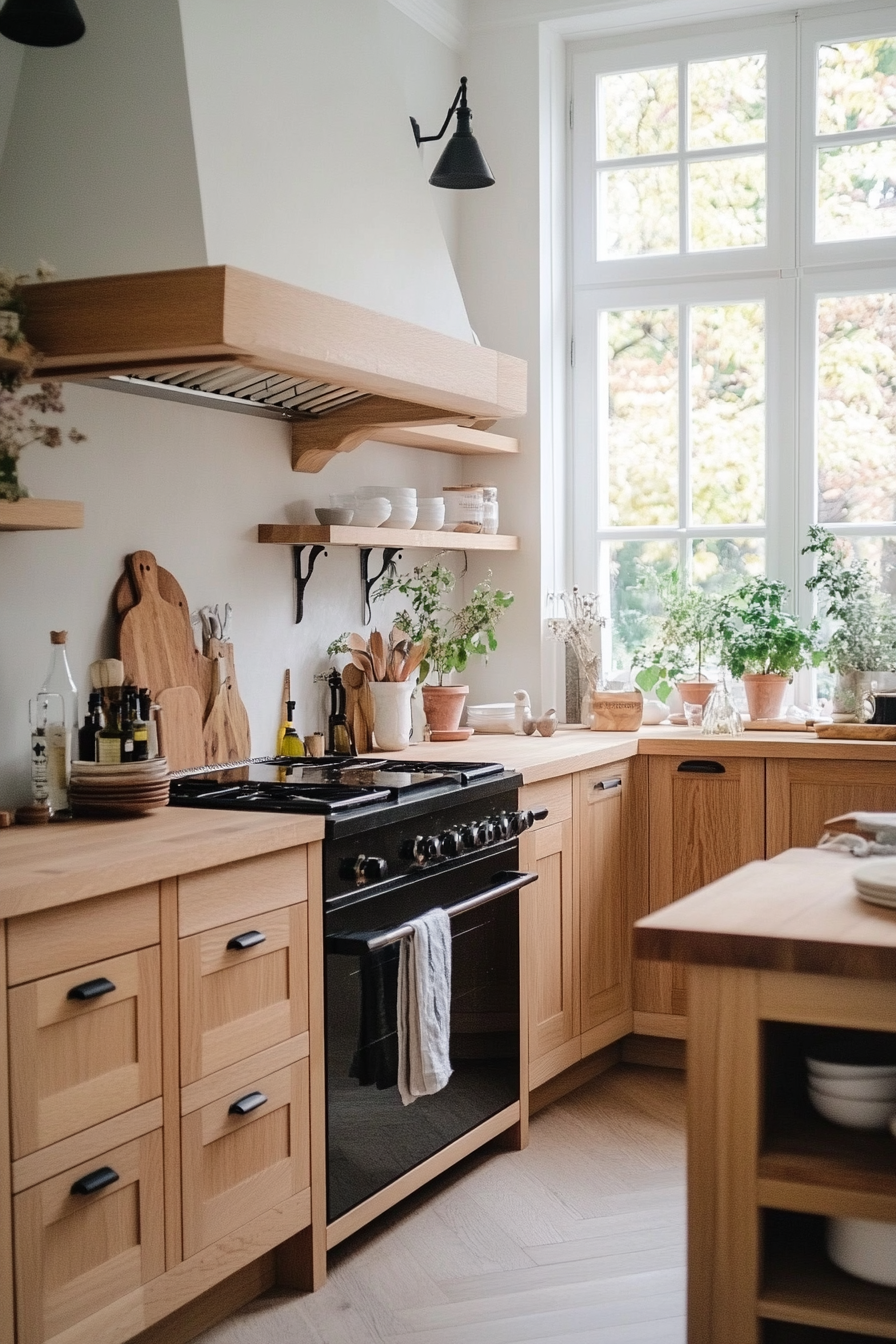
75 1062
236 1001
554 794
50 941
237 1166
78 1252
240 890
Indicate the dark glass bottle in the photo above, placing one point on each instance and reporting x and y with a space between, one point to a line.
91 726
109 738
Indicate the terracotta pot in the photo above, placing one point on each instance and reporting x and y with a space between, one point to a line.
765 694
695 692
443 706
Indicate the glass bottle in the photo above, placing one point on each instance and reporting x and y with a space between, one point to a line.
721 717
109 738
92 725
61 695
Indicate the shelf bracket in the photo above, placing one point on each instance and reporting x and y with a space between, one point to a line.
303 580
390 553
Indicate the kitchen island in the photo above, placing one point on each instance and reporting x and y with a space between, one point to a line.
774 950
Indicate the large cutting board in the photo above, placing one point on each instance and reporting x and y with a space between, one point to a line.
226 731
155 638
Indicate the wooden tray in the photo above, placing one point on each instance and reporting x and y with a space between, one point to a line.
869 732
774 726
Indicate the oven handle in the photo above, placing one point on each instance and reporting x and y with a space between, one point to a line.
513 882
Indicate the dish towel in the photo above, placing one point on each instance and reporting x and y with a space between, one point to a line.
376 1055
424 1007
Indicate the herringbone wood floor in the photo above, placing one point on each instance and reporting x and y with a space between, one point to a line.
578 1240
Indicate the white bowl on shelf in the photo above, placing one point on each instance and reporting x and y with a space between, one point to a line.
853 1114
430 515
371 512
864 1248
404 518
857 1089
824 1068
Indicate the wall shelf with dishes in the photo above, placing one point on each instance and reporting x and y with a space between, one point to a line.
449 439
40 515
286 534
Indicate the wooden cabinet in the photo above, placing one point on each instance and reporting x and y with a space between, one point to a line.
707 817
802 794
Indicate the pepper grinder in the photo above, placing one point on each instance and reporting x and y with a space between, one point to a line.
339 742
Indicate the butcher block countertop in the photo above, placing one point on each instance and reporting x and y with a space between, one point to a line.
572 749
44 866
796 912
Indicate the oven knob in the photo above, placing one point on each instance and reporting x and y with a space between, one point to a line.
425 848
370 870
452 844
523 821
504 826
491 830
474 836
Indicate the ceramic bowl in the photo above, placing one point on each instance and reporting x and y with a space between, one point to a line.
334 517
371 512
430 514
857 1089
864 1248
824 1068
394 493
401 517
851 1113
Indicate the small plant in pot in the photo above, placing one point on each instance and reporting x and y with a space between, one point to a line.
687 640
763 644
455 636
862 643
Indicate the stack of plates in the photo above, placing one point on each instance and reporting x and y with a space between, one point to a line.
859 1096
875 881
491 718
140 786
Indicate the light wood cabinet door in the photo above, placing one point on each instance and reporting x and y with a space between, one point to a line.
243 987
244 1154
549 908
704 823
79 1249
84 1046
801 795
607 853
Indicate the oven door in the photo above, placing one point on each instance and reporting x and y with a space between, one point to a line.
372 1138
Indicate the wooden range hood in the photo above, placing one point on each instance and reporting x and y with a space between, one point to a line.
218 335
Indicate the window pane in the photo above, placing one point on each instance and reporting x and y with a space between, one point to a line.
856 85
642 416
633 602
879 553
728 413
727 203
721 563
856 191
637 113
857 408
638 211
727 102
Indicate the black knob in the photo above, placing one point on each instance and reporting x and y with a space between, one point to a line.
491 830
517 823
418 849
370 870
452 844
474 836
433 847
504 826
524 820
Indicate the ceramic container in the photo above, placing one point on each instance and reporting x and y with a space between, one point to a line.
864 1248
402 516
392 713
430 515
765 693
444 706
372 512
334 517
857 1089
851 1113
463 508
826 1068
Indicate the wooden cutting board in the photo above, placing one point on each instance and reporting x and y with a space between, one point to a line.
868 732
180 728
226 733
155 638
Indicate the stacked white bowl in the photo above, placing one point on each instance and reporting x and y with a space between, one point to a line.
859 1096
864 1248
499 718
403 499
430 514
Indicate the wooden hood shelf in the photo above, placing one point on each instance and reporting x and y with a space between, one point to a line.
218 335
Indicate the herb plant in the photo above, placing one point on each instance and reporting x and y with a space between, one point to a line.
759 636
687 638
864 634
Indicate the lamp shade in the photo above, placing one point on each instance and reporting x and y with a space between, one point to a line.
462 165
41 23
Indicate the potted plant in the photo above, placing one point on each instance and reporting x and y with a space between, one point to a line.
862 644
763 644
687 640
455 636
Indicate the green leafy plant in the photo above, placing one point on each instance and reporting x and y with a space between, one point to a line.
688 637
455 635
864 634
759 636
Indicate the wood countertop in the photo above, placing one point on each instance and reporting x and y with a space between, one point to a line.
44 866
796 912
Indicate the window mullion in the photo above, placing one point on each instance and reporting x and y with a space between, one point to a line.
684 434
683 203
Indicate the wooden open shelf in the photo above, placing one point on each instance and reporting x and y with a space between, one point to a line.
813 1166
286 534
40 515
449 439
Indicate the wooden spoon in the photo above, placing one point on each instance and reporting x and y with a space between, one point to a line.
363 661
415 657
378 654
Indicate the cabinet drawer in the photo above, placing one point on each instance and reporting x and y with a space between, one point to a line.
75 1062
50 941
554 794
78 1252
236 1001
237 1166
240 890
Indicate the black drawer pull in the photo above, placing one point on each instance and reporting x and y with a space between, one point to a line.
701 768
250 1102
91 989
243 940
95 1180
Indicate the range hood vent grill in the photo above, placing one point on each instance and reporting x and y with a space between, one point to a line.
235 387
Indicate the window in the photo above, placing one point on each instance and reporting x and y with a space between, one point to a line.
734 295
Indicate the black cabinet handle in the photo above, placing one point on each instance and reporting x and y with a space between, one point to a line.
251 938
701 768
607 784
95 1180
91 989
539 813
250 1102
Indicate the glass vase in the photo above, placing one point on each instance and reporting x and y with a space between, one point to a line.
721 717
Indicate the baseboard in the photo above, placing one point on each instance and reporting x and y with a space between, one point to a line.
672 1025
213 1305
574 1077
661 1052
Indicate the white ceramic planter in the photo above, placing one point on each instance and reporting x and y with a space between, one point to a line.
392 713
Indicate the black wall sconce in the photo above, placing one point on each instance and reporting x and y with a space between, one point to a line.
462 165
41 23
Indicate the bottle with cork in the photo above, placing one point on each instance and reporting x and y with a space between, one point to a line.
57 712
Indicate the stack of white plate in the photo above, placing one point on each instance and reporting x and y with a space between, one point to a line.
140 786
403 499
492 718
859 1096
875 881
864 1248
